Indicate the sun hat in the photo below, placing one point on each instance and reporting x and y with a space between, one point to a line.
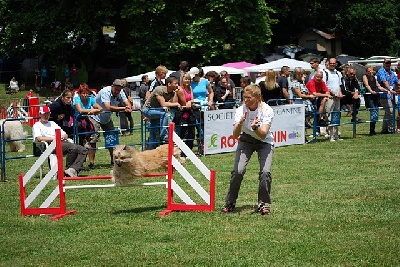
193 71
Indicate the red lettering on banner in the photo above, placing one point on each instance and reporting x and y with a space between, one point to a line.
228 142
280 136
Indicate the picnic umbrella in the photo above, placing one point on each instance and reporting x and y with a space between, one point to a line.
307 57
273 56
218 69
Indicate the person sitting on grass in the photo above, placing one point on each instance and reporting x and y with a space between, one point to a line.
45 131
14 88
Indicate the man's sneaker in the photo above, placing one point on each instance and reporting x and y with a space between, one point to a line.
263 209
70 172
91 166
228 208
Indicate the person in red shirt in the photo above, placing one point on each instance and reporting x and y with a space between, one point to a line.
318 88
30 94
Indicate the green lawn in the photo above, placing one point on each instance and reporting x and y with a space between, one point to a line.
334 204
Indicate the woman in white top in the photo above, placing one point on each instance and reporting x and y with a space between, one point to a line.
14 85
252 125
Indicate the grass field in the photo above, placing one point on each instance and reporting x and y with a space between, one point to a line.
334 204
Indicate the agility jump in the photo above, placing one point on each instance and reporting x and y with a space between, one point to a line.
173 188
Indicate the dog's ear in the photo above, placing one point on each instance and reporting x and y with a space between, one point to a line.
127 147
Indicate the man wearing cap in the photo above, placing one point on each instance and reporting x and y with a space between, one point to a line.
388 80
109 98
45 131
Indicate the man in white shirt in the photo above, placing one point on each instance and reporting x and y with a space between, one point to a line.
261 76
333 80
45 131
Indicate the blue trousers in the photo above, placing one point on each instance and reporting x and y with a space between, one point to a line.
158 125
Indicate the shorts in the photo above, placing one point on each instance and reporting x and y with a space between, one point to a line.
94 138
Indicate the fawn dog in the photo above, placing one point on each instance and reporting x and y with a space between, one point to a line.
129 163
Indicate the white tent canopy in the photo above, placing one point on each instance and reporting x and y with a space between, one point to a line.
138 78
278 64
218 69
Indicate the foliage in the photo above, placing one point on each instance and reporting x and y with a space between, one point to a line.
198 31
35 27
156 32
148 32
370 28
366 27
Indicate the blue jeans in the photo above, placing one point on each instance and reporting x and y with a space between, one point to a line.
158 125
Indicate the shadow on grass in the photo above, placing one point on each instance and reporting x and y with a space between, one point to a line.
245 209
139 210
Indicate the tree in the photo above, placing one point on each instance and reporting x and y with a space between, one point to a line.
148 32
370 28
52 27
198 31
367 28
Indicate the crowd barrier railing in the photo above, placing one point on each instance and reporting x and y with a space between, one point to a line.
111 136
3 142
336 115
198 124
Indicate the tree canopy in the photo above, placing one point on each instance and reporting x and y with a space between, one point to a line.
153 32
148 32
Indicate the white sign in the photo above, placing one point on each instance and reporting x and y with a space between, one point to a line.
287 128
218 126
288 125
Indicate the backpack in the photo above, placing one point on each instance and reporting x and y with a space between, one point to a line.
327 74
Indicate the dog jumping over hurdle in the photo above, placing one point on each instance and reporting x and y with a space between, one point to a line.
130 164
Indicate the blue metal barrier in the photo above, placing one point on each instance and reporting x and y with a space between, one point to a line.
3 143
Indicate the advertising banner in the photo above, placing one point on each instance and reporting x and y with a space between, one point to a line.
287 128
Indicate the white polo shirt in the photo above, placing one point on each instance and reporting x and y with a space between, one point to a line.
333 80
